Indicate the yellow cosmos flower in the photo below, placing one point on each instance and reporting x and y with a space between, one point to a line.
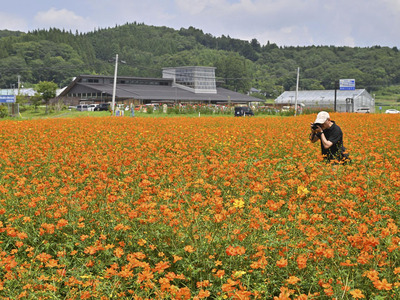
239 274
238 203
302 191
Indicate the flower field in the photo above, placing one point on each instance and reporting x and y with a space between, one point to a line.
197 208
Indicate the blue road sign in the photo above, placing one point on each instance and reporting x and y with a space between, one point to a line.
347 84
7 98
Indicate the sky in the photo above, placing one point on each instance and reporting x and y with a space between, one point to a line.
354 23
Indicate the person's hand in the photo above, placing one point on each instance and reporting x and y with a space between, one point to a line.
318 130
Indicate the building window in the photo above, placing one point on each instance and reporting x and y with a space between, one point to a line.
90 80
200 79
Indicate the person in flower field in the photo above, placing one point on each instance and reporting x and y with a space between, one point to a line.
331 137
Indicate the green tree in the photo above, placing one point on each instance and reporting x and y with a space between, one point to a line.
58 55
47 90
10 68
233 70
3 111
22 99
36 100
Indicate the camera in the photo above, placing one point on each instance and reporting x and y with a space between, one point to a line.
315 126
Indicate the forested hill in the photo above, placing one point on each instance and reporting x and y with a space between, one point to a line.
57 55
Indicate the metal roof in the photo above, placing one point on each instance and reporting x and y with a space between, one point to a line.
190 67
23 92
157 92
319 95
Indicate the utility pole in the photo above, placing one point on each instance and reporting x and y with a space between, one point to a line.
334 104
297 92
19 83
115 85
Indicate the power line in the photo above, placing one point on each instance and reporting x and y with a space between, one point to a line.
57 69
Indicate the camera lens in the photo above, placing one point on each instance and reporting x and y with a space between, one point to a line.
314 126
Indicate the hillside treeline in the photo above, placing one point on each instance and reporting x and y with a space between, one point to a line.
59 55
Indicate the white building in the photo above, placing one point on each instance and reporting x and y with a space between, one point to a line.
346 100
23 92
193 78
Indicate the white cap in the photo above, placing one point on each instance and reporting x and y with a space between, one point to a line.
321 117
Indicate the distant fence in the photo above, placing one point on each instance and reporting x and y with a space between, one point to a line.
13 109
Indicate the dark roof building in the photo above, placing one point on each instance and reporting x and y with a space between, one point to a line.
193 85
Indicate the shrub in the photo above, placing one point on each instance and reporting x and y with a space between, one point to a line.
3 111
150 109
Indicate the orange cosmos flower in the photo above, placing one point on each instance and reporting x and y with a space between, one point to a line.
357 294
189 249
120 227
301 297
118 252
61 223
203 294
220 273
230 285
293 280
183 293
233 251
109 246
141 242
145 275
19 244
84 237
203 284
52 263
176 258
90 263
282 263
161 266
86 295
382 285
164 281
372 275
348 263
285 294
301 261
218 218
43 257
90 250
22 235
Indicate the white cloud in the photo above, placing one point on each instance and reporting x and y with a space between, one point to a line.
199 6
393 5
12 22
248 19
284 22
156 12
63 19
291 35
296 22
349 41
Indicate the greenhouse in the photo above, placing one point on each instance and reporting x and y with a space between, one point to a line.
346 100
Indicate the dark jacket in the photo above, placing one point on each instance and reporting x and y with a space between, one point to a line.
335 135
